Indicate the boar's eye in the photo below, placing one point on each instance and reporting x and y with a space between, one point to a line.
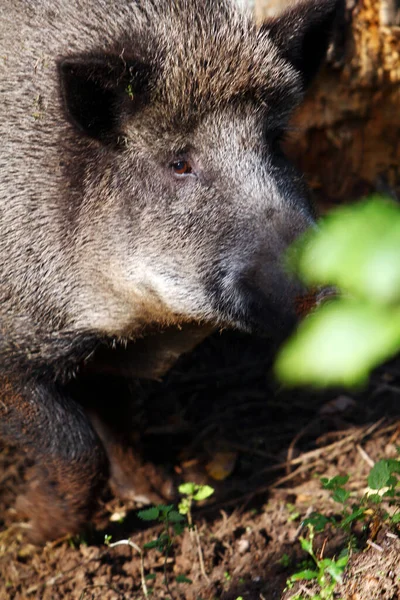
182 167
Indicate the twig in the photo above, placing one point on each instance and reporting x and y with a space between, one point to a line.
165 572
129 542
200 553
321 554
364 568
365 456
336 446
310 509
292 445
302 469
333 450
356 435
375 546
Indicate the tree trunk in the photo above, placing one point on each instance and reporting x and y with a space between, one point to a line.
346 136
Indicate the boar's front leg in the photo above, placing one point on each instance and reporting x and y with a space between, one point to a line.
149 357
70 462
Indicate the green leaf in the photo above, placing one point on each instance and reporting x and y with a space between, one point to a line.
357 249
379 475
165 510
340 495
306 545
355 515
204 491
285 560
307 574
153 544
149 514
394 465
392 481
182 579
396 518
343 560
184 506
175 517
375 498
334 482
150 576
187 488
335 571
317 520
179 528
339 344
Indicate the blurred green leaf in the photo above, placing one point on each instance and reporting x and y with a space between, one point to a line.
379 475
317 520
306 544
204 491
188 488
175 517
340 495
339 344
396 518
335 482
153 544
149 514
335 569
356 248
307 574
182 579
357 514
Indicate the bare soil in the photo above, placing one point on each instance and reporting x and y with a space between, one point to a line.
219 417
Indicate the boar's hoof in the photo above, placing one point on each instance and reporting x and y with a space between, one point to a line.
131 479
63 506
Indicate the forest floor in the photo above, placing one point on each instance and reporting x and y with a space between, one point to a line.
220 418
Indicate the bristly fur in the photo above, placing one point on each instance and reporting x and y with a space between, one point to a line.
144 198
188 78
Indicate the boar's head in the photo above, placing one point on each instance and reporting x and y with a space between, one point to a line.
175 130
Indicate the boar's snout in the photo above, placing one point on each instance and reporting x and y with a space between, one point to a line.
254 289
258 299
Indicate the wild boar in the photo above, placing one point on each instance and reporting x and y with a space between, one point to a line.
142 189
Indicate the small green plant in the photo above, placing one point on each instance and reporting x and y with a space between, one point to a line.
77 540
173 523
285 560
383 490
383 494
356 249
192 492
293 512
326 572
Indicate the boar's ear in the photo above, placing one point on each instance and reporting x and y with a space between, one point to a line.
97 90
303 32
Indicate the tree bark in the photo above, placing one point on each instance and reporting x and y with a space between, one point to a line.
346 135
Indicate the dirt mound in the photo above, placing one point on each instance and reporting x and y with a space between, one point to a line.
219 418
